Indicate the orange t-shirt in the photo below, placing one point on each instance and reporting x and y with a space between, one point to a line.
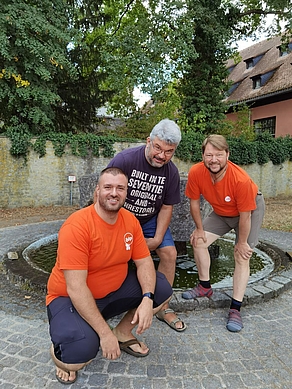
235 193
87 242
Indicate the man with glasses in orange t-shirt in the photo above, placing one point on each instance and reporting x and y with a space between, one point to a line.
237 204
92 282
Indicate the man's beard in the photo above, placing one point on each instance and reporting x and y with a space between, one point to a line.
220 170
108 208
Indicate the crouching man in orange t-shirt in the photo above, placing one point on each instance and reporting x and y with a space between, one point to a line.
91 282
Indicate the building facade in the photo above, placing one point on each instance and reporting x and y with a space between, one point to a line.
262 80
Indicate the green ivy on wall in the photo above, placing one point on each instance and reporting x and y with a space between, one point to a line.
263 149
79 144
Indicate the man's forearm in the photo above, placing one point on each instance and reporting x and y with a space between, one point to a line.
146 274
163 221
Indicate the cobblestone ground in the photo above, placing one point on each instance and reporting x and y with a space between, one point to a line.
205 356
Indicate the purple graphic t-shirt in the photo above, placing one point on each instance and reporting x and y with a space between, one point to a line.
149 187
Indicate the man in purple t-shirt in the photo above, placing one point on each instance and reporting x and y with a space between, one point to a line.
153 189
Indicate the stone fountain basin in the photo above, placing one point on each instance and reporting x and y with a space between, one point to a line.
263 288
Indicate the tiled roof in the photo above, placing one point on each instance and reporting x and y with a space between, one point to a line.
276 69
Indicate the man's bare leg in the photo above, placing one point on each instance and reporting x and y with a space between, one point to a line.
66 371
240 276
202 256
167 263
123 330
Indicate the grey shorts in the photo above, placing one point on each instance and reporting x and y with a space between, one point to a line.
220 225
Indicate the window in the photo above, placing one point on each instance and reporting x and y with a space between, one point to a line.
257 82
265 125
249 63
261 80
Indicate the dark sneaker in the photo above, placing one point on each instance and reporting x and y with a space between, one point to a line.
197 291
234 323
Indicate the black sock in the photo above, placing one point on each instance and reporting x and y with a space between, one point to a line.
205 284
235 304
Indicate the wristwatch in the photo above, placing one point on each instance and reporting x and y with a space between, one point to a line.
149 295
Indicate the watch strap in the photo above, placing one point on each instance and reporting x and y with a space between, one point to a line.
149 295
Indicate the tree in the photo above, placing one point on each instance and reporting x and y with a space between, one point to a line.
202 86
119 46
33 58
61 60
252 16
90 53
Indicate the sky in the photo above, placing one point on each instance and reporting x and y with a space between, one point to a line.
141 97
249 42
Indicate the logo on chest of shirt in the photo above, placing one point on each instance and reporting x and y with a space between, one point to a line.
128 239
227 199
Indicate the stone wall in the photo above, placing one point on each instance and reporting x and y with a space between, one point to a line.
44 181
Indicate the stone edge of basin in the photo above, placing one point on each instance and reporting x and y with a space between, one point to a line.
18 271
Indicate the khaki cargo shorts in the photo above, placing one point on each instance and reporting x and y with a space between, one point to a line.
221 225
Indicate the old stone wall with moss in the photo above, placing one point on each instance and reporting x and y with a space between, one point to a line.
44 181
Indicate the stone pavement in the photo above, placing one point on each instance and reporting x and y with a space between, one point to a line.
205 356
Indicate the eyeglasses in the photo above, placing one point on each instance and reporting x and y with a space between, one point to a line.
217 156
159 150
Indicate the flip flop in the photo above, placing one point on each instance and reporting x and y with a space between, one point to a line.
161 316
67 382
125 346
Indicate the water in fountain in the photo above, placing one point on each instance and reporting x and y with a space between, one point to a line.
42 255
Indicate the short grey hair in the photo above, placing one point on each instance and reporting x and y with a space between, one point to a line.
167 131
